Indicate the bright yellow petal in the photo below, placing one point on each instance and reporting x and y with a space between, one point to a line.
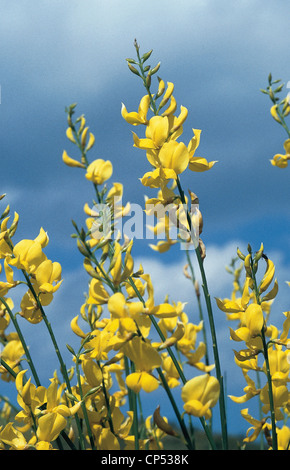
71 161
200 164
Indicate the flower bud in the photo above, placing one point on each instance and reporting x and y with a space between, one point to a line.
71 161
84 137
70 136
155 69
240 255
6 212
161 88
146 55
259 253
148 80
274 113
162 424
133 69
82 248
82 124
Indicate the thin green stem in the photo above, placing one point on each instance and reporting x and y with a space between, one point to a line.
201 316
212 326
267 364
175 409
23 342
270 391
84 410
145 83
135 413
55 345
8 368
281 117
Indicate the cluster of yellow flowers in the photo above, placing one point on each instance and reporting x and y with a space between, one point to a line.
280 109
117 358
250 306
129 344
168 159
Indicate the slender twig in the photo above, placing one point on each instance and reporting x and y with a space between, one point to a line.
212 325
23 342
267 364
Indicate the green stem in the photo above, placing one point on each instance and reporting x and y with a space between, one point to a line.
143 76
281 117
132 397
84 410
266 357
212 326
135 413
270 391
8 368
54 342
201 317
23 342
175 409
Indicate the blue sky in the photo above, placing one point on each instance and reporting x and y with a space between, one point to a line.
219 55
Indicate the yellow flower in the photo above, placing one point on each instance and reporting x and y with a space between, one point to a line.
30 399
137 118
274 113
4 316
125 312
197 163
257 426
105 439
11 354
195 357
170 372
200 394
30 309
279 366
187 342
71 161
174 158
53 420
252 322
268 276
281 160
164 310
14 438
280 398
250 391
5 286
167 94
101 342
283 436
145 358
99 171
163 245
156 133
92 371
28 254
119 272
48 276
97 293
